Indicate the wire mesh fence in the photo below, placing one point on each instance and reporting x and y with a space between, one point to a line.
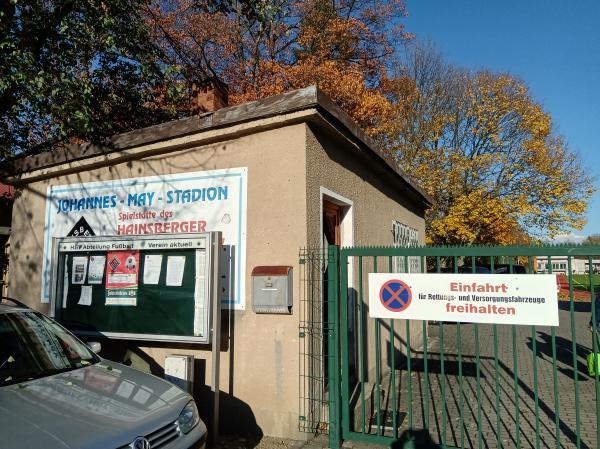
313 337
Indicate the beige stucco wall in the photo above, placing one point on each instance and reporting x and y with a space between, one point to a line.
260 376
377 200
335 164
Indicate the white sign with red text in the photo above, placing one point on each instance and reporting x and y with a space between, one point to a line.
191 202
477 298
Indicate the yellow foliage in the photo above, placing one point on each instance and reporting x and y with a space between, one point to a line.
489 159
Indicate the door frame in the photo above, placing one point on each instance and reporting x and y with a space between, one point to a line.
347 217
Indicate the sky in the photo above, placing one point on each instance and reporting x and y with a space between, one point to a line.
552 45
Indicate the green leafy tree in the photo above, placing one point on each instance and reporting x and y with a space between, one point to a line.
76 70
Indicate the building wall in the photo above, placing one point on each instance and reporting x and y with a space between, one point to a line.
377 200
333 163
259 361
560 264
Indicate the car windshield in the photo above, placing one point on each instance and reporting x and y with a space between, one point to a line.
34 346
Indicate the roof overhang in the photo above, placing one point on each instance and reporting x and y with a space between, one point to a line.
302 105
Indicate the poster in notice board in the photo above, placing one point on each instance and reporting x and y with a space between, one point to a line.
122 278
96 269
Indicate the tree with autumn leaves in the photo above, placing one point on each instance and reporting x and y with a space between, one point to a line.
343 47
486 152
477 142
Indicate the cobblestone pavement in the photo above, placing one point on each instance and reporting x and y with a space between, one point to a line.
317 442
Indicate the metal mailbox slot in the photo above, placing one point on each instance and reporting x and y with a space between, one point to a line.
272 289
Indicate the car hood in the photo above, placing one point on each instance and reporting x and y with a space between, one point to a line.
101 406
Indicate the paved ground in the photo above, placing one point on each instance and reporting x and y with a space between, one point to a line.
491 416
232 442
317 442
494 405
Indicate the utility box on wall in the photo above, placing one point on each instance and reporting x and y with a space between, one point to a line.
179 370
272 289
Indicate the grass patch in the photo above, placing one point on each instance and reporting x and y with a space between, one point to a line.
582 282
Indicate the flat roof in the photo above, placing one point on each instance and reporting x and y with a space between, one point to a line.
298 100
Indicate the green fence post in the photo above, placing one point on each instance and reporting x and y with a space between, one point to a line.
333 268
595 346
343 332
574 352
555 375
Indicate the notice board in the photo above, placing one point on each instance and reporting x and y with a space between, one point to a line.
137 287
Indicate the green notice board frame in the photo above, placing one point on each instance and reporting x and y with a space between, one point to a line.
169 297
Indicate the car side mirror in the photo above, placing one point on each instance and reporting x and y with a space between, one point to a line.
94 346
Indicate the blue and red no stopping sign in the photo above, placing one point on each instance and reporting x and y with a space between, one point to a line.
395 295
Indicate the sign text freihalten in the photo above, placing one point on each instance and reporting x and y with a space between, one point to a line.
477 298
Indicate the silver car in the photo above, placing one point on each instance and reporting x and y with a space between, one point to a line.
55 393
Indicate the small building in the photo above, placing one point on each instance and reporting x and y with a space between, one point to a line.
560 264
273 176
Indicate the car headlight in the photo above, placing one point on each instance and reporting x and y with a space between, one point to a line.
189 417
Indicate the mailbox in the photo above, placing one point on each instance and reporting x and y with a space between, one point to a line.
272 289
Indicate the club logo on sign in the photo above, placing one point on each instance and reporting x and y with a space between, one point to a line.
395 295
114 263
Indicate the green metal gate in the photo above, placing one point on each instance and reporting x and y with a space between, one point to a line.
466 385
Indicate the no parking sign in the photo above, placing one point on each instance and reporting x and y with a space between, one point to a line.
395 295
